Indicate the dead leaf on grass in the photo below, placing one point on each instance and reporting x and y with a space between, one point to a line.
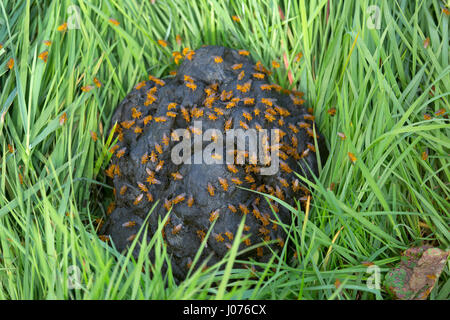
417 273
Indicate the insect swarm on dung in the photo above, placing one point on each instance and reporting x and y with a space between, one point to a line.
225 90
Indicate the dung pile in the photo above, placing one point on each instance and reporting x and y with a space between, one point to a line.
214 88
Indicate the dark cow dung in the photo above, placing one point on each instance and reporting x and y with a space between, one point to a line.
222 88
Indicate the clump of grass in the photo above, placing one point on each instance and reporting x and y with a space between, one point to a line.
388 89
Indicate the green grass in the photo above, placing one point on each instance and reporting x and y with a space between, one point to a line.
379 81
